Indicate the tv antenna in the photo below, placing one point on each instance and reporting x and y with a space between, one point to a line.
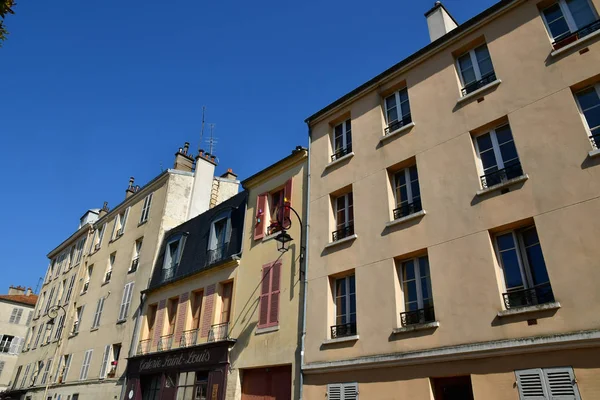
212 141
201 129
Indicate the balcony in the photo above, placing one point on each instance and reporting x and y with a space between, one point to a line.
595 141
395 125
168 273
218 254
165 343
134 265
144 347
511 171
420 316
408 209
341 153
569 38
218 332
343 330
484 81
344 232
540 294
188 338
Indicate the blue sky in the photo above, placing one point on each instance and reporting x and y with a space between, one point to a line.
95 92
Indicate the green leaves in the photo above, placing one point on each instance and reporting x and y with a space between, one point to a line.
5 8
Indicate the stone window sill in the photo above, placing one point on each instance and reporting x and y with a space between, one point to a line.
94 329
405 219
121 321
105 283
575 43
260 331
397 132
594 153
529 309
142 223
416 327
345 339
344 240
479 91
339 160
502 185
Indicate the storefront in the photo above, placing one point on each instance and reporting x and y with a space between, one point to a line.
192 373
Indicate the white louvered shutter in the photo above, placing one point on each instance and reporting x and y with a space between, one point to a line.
126 301
24 380
1 367
124 220
114 231
531 384
67 366
12 349
334 391
98 314
85 366
104 365
19 314
29 317
13 316
21 344
350 391
561 384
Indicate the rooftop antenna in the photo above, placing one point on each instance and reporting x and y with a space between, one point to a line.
212 141
37 287
201 129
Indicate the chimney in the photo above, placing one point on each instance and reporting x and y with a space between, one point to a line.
104 210
439 21
183 160
130 189
16 290
29 292
229 175
202 186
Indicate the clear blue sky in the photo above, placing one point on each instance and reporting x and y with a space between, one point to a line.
95 92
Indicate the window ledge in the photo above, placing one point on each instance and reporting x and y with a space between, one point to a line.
397 132
502 185
416 327
121 321
142 223
594 153
405 219
94 329
344 240
105 283
260 331
479 91
73 334
529 309
345 339
339 160
575 43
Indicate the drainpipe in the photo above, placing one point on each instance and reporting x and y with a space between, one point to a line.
305 280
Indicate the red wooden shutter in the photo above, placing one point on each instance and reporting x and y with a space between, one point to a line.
263 317
181 314
158 323
274 301
287 194
261 216
209 303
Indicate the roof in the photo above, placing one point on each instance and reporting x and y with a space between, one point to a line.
429 48
299 150
20 298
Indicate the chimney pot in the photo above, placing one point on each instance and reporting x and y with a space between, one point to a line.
186 147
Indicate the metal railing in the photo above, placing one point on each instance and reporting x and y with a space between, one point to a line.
343 330
218 332
511 171
188 338
165 343
473 86
569 37
341 153
595 141
420 316
539 294
144 347
217 254
408 208
134 265
168 273
341 233
395 125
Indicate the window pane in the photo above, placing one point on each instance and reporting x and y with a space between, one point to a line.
352 304
535 258
530 237
588 98
390 102
504 134
340 287
556 21
400 178
466 69
488 159
413 173
392 115
408 271
484 142
416 191
424 266
352 283
509 152
512 273
410 291
483 59
581 12
505 242
592 116
425 288
403 194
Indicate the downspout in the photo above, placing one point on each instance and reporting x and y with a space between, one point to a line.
305 280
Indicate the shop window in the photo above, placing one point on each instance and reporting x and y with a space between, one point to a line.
193 385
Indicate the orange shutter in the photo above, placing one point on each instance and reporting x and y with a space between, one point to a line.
274 301
263 317
261 216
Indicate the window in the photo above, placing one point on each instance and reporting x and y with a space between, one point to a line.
88 277
345 307
220 234
29 318
15 316
70 289
97 242
85 366
38 336
105 361
416 286
78 318
151 386
98 313
269 295
137 248
151 319
75 396
547 384
498 160
407 192
38 369
126 301
119 225
146 208
193 385
397 111
342 140
46 371
49 302
475 69
342 391
196 309
344 217
78 251
109 267
5 342
276 201
566 17
526 279
61 291
171 315
456 387
60 326
173 251
226 293
25 375
588 101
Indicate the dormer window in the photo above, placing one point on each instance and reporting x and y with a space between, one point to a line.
173 251
220 234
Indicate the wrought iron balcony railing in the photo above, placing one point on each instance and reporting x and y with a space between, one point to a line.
134 265
473 86
343 330
510 171
217 254
540 294
165 343
341 153
408 208
168 273
420 316
144 347
395 125
188 338
218 332
568 37
347 230
595 140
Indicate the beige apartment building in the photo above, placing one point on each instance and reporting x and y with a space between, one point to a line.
16 312
453 216
83 352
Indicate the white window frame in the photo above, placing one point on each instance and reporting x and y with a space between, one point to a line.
346 210
146 208
418 277
475 64
500 162
345 131
169 262
111 262
596 87
85 365
68 358
347 299
566 12
408 184
213 242
398 105
78 319
105 361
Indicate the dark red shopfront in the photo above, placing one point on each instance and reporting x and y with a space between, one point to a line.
191 373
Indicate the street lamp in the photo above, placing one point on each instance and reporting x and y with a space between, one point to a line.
53 313
283 240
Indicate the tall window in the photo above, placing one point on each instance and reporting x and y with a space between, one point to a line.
109 267
196 309
407 192
172 315
220 232
345 307
97 242
78 252
85 366
525 275
25 375
397 111
137 249
38 336
173 251
226 293
589 103
5 343
497 156
50 299
344 216
276 204
568 16
151 319
146 208
78 319
59 327
63 369
416 286
46 371
476 69
119 225
342 140
70 289
126 301
88 277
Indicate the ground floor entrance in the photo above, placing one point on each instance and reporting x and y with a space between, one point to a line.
272 383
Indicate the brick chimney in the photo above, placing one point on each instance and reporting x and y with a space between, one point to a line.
183 160
202 186
439 21
16 290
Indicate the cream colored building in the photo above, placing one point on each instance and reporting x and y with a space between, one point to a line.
453 216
